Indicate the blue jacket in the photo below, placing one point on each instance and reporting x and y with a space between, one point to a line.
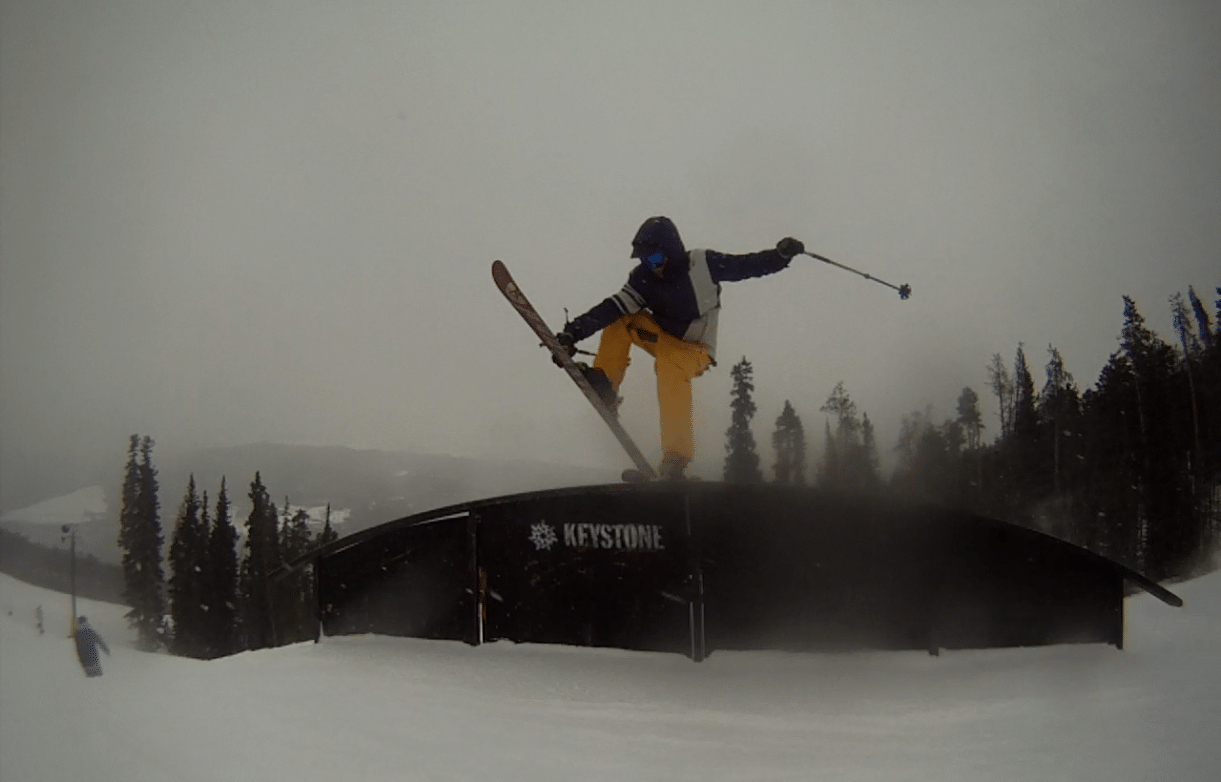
686 298
87 641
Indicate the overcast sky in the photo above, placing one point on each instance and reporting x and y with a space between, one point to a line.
229 222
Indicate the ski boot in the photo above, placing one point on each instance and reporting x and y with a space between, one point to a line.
601 385
673 468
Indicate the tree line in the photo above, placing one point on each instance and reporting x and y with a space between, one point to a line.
223 593
1130 468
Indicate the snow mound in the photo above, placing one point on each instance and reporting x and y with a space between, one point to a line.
378 708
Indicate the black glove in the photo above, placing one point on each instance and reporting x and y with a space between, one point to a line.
788 247
567 343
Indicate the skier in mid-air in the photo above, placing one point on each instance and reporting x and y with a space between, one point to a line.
668 308
87 641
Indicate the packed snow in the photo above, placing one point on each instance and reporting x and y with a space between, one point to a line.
378 708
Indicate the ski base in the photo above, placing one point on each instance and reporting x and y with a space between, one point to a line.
508 287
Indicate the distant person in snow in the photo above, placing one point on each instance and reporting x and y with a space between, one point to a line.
38 618
668 308
87 642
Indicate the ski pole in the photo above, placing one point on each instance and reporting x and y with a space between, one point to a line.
575 351
905 291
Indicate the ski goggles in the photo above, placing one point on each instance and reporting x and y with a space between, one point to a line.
654 260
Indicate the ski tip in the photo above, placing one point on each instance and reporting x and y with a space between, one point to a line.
500 273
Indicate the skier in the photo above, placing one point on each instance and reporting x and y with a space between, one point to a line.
87 641
669 308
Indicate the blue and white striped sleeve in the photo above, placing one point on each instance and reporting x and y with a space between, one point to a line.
628 299
625 302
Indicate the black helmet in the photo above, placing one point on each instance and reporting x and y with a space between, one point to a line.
658 233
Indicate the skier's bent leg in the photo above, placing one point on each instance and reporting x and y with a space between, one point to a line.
613 349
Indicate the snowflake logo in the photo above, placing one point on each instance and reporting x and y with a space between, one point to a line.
542 535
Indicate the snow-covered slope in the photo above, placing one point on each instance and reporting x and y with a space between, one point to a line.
82 505
374 708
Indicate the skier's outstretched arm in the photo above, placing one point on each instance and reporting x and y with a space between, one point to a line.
732 268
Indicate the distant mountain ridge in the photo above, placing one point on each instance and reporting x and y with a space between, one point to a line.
371 486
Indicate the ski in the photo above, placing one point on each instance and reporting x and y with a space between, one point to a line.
500 273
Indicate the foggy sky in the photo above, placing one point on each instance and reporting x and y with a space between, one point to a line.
227 222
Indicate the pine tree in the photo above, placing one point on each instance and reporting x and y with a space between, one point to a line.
1060 410
295 591
1112 462
328 535
262 558
869 445
970 418
831 469
204 649
1185 327
1207 467
1203 322
222 582
935 461
150 512
129 513
1001 384
295 537
836 461
927 457
1193 351
141 540
187 584
849 465
742 461
1029 468
789 443
971 421
1025 412
1163 416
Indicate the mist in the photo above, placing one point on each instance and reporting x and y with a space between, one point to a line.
228 224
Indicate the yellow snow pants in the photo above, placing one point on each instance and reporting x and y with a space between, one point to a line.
676 363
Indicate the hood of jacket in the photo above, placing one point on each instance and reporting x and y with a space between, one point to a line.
661 233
